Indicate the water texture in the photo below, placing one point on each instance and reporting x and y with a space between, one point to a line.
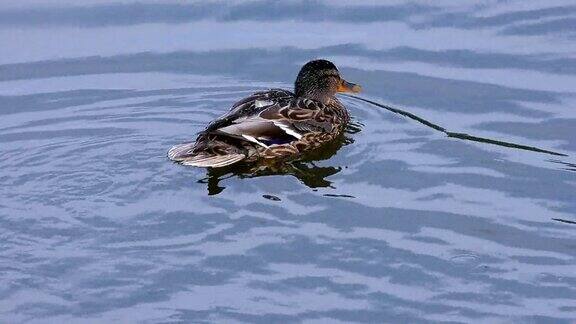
397 222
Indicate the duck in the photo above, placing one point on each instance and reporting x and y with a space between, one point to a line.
274 125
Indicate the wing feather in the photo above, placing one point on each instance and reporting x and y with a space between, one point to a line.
264 119
268 118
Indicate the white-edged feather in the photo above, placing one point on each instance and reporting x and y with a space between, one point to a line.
287 129
262 103
215 161
254 140
178 152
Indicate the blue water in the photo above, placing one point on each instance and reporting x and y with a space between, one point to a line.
397 223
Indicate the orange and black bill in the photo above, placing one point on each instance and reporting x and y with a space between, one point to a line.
345 86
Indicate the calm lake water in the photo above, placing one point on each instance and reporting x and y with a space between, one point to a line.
396 223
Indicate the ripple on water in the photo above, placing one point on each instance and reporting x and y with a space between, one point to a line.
394 221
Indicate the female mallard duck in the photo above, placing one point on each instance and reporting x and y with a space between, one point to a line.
275 124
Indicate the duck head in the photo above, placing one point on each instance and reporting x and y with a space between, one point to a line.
320 80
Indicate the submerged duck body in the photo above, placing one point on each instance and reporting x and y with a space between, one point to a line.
275 124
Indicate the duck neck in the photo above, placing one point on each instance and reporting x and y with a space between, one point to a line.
321 96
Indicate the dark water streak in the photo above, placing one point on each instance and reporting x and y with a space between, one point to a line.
462 136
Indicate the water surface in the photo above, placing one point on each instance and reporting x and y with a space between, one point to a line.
395 223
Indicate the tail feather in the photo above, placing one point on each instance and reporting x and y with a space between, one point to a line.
214 161
179 152
184 153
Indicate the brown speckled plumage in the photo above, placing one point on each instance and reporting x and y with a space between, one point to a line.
275 124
